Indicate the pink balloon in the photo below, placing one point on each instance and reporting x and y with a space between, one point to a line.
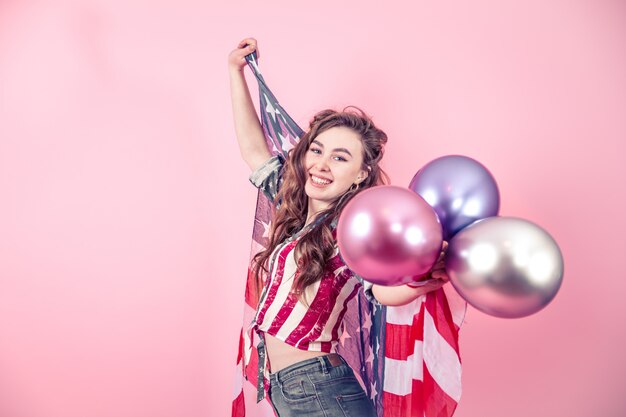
389 235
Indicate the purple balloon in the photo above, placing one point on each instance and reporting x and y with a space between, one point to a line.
460 189
505 266
389 235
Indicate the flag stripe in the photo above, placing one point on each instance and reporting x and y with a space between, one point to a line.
437 307
441 359
268 302
457 305
399 374
399 339
437 402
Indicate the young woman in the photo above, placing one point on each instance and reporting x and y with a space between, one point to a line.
304 285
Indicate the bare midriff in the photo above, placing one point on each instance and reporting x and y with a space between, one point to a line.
282 355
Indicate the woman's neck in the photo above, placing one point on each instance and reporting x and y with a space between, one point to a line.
313 210
309 219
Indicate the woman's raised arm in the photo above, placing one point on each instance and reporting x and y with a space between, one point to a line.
252 145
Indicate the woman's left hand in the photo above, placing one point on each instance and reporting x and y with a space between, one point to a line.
438 270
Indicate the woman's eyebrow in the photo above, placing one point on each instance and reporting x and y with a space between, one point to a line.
334 150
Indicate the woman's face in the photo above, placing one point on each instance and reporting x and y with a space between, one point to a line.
333 163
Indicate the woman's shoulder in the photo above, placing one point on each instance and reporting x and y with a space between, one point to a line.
272 166
268 176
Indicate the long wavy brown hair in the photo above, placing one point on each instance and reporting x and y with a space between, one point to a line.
315 248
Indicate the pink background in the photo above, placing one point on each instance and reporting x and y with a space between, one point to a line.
126 211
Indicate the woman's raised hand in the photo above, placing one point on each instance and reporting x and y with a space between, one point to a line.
237 58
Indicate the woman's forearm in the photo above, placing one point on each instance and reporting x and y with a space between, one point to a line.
402 294
248 129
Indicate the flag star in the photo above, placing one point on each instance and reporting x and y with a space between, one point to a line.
344 336
373 391
283 139
368 322
266 229
270 109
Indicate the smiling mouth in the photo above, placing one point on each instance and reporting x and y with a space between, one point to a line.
319 181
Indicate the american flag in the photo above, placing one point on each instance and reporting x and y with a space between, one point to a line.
407 358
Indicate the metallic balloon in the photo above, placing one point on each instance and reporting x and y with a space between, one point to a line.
389 235
505 266
460 189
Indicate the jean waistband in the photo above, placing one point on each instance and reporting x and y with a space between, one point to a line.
321 363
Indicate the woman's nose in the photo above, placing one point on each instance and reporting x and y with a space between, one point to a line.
321 164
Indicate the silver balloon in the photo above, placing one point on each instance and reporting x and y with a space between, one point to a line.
505 266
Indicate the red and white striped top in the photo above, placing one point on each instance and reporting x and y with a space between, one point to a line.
282 314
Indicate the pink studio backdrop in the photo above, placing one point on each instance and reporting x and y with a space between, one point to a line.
126 211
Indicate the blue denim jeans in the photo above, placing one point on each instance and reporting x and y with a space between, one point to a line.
316 388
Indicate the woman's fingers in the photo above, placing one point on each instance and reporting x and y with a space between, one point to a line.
439 264
441 275
247 41
250 45
442 254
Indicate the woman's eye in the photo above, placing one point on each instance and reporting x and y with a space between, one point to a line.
341 158
314 150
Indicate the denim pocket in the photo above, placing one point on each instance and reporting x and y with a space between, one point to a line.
297 389
350 396
356 405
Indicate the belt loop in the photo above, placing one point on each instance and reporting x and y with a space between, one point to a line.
322 360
